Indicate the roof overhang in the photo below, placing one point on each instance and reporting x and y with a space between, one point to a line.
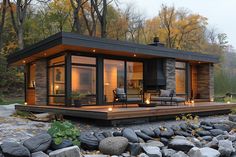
74 42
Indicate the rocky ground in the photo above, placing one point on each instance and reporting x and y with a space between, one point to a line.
214 136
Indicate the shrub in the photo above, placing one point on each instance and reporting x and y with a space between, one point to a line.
64 131
189 118
22 114
233 111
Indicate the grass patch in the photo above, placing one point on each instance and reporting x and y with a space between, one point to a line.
8 101
22 114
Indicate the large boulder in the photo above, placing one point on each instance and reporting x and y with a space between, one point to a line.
154 143
203 152
88 141
152 151
203 133
99 136
134 149
113 145
167 133
66 152
168 152
130 135
224 127
216 132
180 154
157 132
143 136
232 117
65 143
39 154
225 148
13 149
180 144
38 143
148 132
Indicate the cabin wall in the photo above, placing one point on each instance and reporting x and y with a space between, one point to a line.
41 82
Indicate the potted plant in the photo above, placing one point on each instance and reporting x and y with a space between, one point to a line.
76 97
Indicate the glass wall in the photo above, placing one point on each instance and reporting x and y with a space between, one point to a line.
180 77
84 79
114 74
57 81
134 81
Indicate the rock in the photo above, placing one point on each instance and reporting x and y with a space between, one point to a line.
127 154
42 117
140 140
88 141
157 132
232 137
113 145
225 148
95 155
130 135
175 127
220 137
107 133
168 152
73 151
64 144
232 117
207 138
205 127
213 143
180 144
184 126
203 133
206 123
117 133
196 142
38 143
134 148
12 149
216 132
224 127
154 143
180 154
183 133
152 151
143 136
143 155
99 136
39 154
194 126
203 152
180 137
165 141
167 133
148 132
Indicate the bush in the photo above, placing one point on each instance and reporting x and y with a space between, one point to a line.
64 131
233 111
189 118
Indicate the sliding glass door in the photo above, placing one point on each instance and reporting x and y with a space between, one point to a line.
123 74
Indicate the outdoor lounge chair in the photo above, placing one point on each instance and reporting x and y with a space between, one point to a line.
167 96
119 95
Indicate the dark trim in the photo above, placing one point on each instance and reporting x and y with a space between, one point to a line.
100 81
188 81
68 79
72 39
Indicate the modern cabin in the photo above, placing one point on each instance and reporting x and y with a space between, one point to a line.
68 63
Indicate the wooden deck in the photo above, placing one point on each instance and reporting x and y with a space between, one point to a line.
132 112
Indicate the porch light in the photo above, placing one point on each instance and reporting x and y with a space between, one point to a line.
110 109
147 101
56 87
212 99
228 102
135 55
23 61
94 50
192 101
25 103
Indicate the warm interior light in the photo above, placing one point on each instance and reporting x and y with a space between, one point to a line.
192 101
23 61
134 55
25 103
94 50
109 109
147 101
45 54
56 87
228 102
212 99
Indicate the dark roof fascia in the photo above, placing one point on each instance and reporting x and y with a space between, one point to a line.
108 44
116 45
45 44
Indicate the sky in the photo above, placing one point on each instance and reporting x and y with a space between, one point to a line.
220 13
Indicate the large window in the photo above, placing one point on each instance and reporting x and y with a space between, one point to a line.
113 77
134 80
180 76
57 81
31 76
84 78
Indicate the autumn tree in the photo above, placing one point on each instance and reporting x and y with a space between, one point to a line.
3 8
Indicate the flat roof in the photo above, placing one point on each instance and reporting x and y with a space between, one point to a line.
73 39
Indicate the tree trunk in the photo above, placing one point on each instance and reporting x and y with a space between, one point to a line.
21 37
3 12
104 20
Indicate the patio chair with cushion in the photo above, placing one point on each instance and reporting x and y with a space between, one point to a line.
168 96
119 95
